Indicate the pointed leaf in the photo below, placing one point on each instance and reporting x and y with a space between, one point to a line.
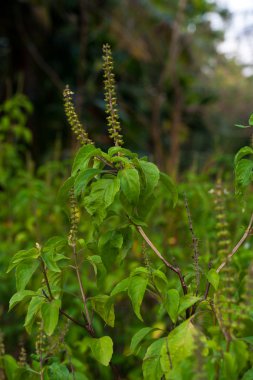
187 301
130 184
83 157
172 304
102 349
213 278
24 272
138 338
151 366
20 296
136 290
50 315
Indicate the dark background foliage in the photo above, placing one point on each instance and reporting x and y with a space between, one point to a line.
177 93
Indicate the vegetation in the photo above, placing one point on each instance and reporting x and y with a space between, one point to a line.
122 274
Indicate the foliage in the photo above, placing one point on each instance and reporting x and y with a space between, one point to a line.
101 298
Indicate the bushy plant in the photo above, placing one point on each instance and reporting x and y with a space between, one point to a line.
107 299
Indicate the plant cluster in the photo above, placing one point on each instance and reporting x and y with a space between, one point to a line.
185 319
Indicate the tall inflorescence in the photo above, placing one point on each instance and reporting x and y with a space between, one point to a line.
199 358
110 97
224 299
22 358
246 303
72 117
74 219
223 234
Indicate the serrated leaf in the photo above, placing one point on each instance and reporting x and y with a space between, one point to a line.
50 315
136 290
83 179
130 184
172 304
245 151
103 306
32 311
58 371
243 173
187 301
213 277
101 196
138 338
180 344
83 157
52 252
151 175
24 272
23 255
102 349
151 366
118 149
20 296
122 286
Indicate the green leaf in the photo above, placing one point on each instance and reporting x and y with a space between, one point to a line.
187 301
213 277
103 306
130 184
136 290
251 120
23 255
101 196
151 366
172 304
243 173
10 367
160 280
102 349
245 151
248 375
170 187
122 286
20 296
110 244
83 179
83 157
180 344
58 371
64 191
117 149
52 252
24 272
229 367
50 315
240 351
138 338
151 175
248 339
32 311
242 126
98 266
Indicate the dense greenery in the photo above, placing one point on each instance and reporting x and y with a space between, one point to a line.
120 273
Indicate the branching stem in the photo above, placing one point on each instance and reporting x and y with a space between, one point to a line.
238 245
170 266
